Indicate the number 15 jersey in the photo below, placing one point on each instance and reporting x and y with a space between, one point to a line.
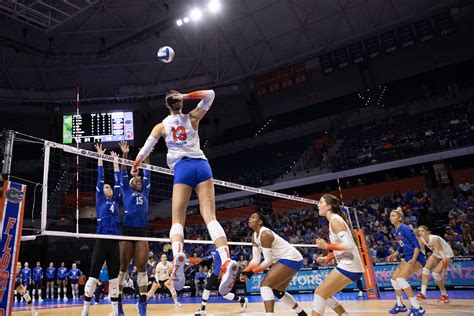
181 139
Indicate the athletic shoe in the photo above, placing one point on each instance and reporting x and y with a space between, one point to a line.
178 304
177 275
40 299
417 311
398 309
229 273
200 313
421 297
141 308
84 313
243 306
65 298
120 309
360 294
444 299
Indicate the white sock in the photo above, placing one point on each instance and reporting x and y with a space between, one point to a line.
86 306
399 301
223 253
443 292
39 294
177 246
423 289
114 307
175 300
414 302
64 291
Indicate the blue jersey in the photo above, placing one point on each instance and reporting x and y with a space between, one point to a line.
50 272
406 240
26 275
74 274
216 269
107 209
37 274
62 273
134 202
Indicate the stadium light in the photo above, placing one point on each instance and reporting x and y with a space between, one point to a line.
196 14
214 6
186 20
179 22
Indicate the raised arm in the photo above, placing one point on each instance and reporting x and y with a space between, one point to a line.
206 97
146 183
100 172
116 175
123 176
157 132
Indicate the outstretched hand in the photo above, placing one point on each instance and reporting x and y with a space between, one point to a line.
321 243
114 154
99 149
124 147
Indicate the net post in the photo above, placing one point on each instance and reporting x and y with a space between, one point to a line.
44 202
8 153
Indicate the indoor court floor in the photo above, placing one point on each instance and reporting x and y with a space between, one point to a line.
462 304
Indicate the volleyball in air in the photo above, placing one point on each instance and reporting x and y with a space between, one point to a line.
165 54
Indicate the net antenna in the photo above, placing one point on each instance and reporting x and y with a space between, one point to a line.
77 160
347 208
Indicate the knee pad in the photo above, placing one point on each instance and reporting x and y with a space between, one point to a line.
425 271
395 284
142 279
278 294
437 276
121 277
89 289
319 304
266 293
332 302
177 229
113 288
403 283
215 230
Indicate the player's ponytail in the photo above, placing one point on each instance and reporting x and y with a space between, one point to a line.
336 208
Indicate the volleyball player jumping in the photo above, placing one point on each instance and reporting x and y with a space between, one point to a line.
284 259
349 265
437 264
191 171
134 223
412 260
107 208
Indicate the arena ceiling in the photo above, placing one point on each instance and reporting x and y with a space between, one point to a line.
108 47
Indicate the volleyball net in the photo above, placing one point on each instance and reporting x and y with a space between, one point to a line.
69 220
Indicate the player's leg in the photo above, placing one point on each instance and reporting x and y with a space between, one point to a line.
98 258
181 195
277 280
21 290
429 266
333 283
399 307
126 253
154 287
113 266
141 257
207 204
405 271
439 277
173 293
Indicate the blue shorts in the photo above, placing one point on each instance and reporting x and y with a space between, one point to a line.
295 265
421 258
192 171
353 276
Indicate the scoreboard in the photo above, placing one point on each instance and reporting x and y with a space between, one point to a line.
97 127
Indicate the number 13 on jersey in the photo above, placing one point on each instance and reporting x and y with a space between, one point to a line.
179 133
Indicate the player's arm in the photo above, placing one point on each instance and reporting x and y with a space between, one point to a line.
339 228
157 132
438 247
116 175
206 97
146 178
100 172
124 185
267 239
